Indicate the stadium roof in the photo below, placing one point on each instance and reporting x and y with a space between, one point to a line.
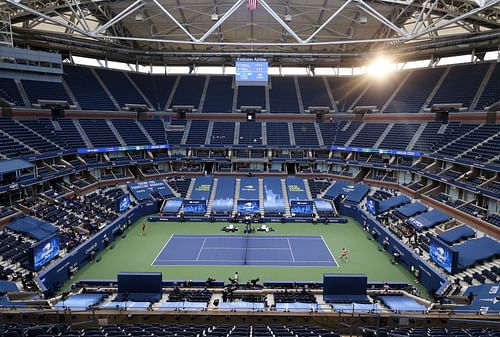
288 32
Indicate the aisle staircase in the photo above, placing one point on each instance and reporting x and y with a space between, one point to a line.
261 196
309 195
236 195
285 198
212 196
190 189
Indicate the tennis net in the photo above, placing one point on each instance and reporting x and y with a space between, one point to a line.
246 248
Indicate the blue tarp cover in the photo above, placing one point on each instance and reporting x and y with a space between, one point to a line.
202 187
357 307
273 195
412 209
296 307
224 196
428 219
476 250
393 202
355 192
8 286
249 188
456 234
34 228
485 300
129 305
8 166
241 306
182 306
80 301
295 188
402 304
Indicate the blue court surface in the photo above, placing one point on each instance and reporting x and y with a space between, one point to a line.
238 250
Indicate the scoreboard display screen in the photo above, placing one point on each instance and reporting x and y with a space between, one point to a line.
44 251
251 71
443 255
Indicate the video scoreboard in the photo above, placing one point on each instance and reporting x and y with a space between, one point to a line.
251 71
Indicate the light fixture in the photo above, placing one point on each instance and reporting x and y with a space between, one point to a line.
288 18
363 20
215 17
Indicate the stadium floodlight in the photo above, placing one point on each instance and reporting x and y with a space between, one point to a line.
380 67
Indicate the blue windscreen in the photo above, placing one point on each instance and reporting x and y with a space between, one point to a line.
273 195
195 206
248 206
172 206
295 188
249 188
323 205
44 251
301 207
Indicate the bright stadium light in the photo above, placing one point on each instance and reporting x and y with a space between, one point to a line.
380 66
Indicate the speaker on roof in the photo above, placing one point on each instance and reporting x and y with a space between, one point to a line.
320 112
251 111
182 110
251 108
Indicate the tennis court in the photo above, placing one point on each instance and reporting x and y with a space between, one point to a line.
256 250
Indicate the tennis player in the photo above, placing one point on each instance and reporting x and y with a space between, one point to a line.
343 254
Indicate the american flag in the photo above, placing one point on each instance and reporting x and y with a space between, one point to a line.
252 5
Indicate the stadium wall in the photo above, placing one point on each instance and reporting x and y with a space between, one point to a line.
434 282
59 272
